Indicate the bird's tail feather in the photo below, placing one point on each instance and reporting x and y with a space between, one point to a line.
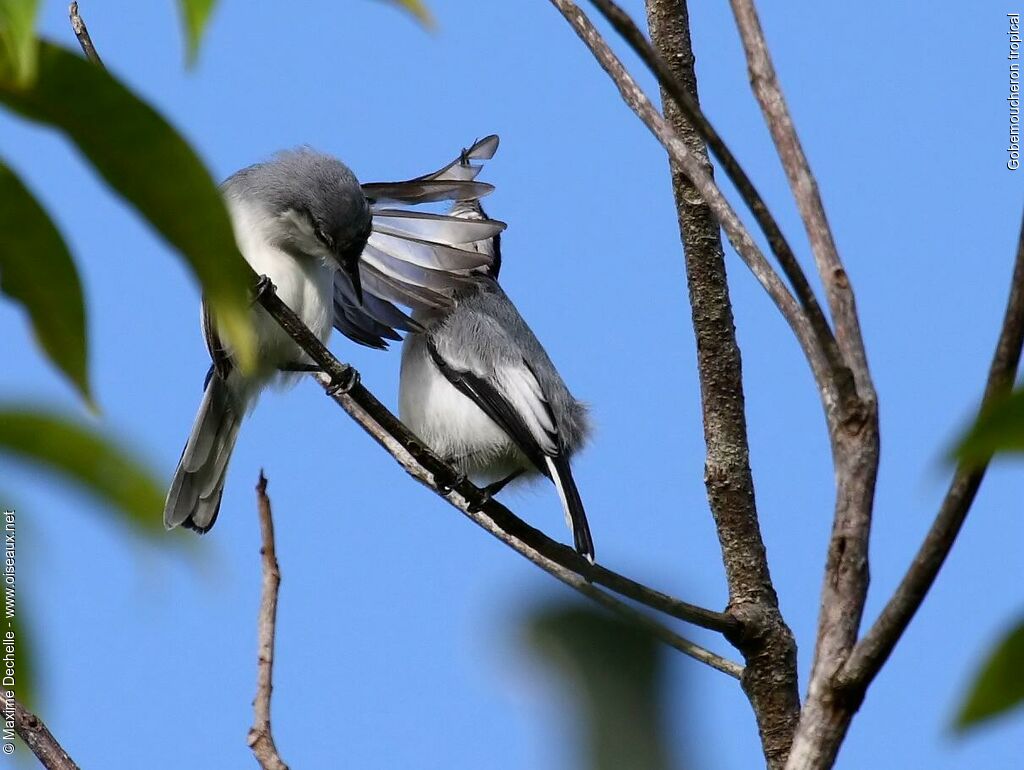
194 498
575 516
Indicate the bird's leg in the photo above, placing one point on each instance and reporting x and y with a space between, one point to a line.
494 488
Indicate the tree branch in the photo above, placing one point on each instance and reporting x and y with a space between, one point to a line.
736 232
37 737
676 81
341 382
261 737
82 33
770 676
852 422
874 649
839 292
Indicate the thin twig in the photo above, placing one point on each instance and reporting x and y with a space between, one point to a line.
874 649
736 232
37 737
690 108
766 88
261 737
768 647
82 33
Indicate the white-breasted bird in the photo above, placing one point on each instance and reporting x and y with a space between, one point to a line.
478 388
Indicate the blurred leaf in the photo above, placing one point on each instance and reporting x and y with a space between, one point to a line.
999 429
148 163
999 686
615 671
418 9
196 14
89 459
18 38
37 271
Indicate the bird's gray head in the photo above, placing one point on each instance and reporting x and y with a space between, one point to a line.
317 203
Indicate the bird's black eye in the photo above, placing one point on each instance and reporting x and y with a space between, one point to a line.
321 236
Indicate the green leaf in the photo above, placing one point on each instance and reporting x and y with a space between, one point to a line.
152 167
418 9
196 14
98 465
999 686
998 429
37 271
18 38
615 671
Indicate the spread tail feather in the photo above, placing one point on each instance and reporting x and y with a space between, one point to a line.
194 498
575 516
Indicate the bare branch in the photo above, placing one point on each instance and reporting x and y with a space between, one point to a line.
770 677
261 737
37 737
694 169
674 85
82 33
766 88
874 649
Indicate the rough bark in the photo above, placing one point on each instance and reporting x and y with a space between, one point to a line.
37 737
770 676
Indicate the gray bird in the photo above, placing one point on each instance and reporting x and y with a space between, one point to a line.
480 390
303 220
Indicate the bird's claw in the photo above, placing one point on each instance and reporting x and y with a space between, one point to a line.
447 482
341 388
263 286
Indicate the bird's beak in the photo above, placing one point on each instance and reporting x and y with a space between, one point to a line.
351 267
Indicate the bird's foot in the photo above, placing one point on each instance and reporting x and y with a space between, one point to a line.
343 386
446 482
263 286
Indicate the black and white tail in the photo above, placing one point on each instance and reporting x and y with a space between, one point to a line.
575 516
194 498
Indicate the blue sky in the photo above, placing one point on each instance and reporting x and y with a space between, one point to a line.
400 634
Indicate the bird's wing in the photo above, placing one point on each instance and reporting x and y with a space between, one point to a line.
416 258
425 227
373 322
417 191
222 364
461 168
511 396
455 181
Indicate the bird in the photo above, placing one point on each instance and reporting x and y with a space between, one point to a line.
478 388
302 220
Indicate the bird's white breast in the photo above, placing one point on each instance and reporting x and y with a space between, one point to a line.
306 285
449 422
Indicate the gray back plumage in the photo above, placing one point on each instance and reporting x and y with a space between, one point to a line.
308 181
485 328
